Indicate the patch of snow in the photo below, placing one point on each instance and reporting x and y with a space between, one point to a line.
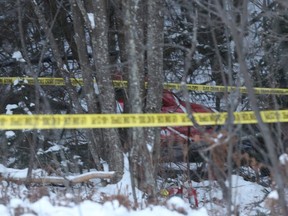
24 107
2 168
244 194
175 203
283 159
16 202
10 107
273 195
175 35
9 134
65 67
4 210
16 82
91 19
40 151
18 56
150 147
220 135
19 173
54 148
96 88
42 206
76 157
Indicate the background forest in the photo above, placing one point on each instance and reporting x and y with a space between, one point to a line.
209 42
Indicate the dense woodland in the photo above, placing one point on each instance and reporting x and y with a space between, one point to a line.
209 42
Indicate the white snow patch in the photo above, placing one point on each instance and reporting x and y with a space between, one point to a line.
273 195
10 107
65 67
24 107
283 159
16 82
18 56
42 206
4 210
54 148
96 88
150 147
178 203
220 135
244 194
91 19
10 134
2 168
16 202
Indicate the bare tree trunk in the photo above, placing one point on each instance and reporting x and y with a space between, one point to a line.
140 160
99 38
94 136
155 41
94 14
123 55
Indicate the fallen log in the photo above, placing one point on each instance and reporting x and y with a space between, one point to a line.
57 180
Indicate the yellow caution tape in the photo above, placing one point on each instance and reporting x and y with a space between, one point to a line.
123 84
40 81
73 121
207 88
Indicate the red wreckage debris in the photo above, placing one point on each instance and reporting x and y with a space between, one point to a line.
177 142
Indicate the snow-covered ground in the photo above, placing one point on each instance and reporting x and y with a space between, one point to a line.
107 200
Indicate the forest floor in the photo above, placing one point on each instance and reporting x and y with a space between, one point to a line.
248 198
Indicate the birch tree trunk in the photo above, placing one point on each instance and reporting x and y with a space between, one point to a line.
155 40
99 39
141 160
135 62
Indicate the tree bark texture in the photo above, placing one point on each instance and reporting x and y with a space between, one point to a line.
99 39
155 76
